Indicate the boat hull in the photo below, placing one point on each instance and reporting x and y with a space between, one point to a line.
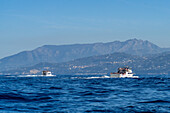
123 76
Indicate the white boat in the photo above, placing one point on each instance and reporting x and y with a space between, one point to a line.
124 72
44 74
47 73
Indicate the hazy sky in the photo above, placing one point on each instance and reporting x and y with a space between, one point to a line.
27 24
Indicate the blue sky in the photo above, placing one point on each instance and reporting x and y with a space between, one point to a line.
27 24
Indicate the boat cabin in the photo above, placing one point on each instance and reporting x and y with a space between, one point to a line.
46 73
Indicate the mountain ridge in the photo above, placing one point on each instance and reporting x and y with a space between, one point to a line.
103 64
64 53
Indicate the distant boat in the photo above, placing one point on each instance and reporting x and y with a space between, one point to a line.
44 74
47 73
124 72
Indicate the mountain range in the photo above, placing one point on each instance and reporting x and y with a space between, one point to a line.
103 64
65 53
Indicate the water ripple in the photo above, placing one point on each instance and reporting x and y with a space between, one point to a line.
74 94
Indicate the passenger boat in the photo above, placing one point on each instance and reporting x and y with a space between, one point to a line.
124 72
47 73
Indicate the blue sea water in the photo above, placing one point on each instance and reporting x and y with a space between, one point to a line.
78 94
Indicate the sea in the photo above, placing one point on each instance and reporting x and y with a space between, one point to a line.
79 94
